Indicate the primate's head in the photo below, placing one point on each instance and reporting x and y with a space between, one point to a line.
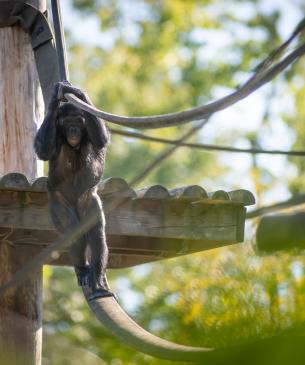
72 123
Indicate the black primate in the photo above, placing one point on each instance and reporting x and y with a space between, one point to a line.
74 142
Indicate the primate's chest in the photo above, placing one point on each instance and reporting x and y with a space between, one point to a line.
73 166
70 160
74 171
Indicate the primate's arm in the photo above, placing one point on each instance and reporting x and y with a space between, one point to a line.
97 131
45 140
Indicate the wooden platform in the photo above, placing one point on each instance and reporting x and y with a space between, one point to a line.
142 226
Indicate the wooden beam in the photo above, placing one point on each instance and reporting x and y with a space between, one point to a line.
124 252
281 232
139 229
20 310
142 226
131 217
21 108
21 103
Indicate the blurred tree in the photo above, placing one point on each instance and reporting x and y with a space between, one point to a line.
222 297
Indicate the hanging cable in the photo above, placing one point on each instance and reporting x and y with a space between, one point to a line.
292 202
207 147
167 153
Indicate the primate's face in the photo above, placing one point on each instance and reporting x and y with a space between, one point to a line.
73 128
72 122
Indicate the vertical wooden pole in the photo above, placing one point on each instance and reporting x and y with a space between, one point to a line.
21 103
21 110
20 311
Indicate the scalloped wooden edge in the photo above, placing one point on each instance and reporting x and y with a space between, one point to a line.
118 187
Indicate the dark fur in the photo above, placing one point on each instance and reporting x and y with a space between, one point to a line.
74 172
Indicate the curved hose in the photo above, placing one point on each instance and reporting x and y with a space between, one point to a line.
286 344
116 321
265 72
173 119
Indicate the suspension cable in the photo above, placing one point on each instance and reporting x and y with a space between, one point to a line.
207 147
167 153
290 203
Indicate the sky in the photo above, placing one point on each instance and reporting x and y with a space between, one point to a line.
246 115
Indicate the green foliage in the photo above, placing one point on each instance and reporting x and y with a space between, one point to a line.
217 298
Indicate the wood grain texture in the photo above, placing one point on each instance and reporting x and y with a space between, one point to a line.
21 110
21 104
124 251
117 187
133 217
282 231
191 191
155 192
138 230
20 310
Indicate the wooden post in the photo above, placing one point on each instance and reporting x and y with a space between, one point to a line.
20 311
21 109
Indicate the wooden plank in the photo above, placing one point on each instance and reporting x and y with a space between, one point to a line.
242 196
142 249
241 218
21 105
116 185
281 232
138 230
172 219
189 192
20 310
132 217
153 192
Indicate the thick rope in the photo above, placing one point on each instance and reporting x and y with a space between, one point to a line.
116 321
202 112
265 72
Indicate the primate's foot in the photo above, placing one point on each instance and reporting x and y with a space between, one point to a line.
102 293
83 275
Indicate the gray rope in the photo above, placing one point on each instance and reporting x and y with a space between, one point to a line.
179 118
263 74
167 153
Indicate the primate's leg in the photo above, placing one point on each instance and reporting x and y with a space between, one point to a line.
98 246
64 217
